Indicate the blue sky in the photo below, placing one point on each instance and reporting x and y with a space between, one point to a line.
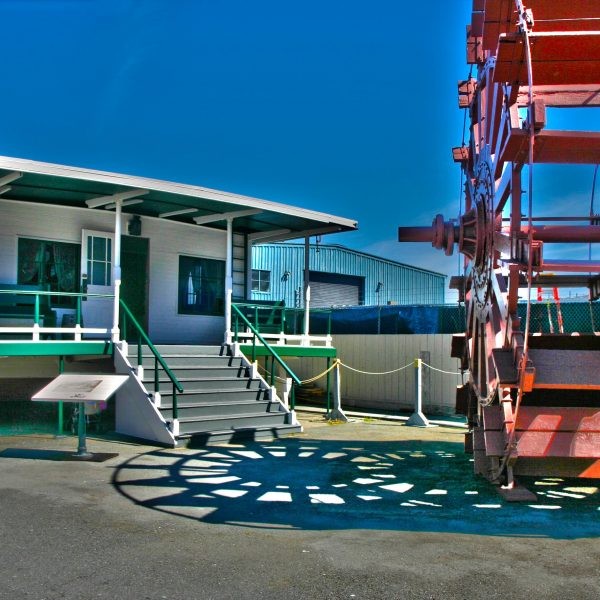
334 105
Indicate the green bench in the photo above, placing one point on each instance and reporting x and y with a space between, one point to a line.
16 305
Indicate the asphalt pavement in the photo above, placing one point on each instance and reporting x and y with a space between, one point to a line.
366 509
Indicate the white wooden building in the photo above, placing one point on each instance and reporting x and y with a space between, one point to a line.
177 255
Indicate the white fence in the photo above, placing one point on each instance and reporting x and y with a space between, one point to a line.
394 391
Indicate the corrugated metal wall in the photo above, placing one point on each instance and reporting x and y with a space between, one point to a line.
395 391
401 284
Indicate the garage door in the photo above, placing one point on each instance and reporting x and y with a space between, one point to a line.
331 289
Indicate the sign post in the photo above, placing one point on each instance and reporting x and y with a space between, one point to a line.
81 389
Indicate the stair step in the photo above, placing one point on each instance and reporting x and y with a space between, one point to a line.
205 384
220 395
171 349
225 436
190 360
231 422
202 410
191 372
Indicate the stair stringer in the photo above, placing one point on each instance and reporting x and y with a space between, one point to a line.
135 412
273 396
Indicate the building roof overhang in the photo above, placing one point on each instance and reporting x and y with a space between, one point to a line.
262 220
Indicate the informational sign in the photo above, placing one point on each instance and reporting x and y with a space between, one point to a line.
69 387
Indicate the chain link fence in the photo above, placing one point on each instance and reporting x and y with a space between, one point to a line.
577 317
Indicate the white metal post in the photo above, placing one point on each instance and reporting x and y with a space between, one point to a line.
228 281
337 414
306 289
117 270
418 419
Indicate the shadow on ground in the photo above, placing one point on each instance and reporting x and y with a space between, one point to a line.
306 484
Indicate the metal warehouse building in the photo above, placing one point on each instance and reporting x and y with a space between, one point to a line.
339 276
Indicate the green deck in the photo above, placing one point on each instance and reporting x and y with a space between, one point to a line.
55 348
298 351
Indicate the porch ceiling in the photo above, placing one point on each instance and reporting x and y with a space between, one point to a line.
32 181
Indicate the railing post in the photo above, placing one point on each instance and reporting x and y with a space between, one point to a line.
156 377
175 407
272 370
328 385
61 408
77 336
37 309
36 320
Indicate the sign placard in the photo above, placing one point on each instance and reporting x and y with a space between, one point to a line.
69 387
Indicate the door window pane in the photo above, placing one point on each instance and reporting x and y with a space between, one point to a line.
99 262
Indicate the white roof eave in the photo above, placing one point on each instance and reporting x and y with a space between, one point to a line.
117 179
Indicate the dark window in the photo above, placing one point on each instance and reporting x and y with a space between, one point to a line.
52 264
261 280
201 286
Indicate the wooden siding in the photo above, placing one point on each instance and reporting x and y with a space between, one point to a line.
167 241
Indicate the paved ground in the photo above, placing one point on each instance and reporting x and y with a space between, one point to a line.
361 510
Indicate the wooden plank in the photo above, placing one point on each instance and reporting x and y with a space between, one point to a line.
581 444
566 369
558 467
505 366
562 95
564 59
478 440
540 418
494 443
553 147
492 418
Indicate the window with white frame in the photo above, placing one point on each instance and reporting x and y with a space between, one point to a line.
261 280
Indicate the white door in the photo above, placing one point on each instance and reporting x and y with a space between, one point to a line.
97 255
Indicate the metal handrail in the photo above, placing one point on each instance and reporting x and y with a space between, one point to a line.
271 308
38 293
270 350
158 359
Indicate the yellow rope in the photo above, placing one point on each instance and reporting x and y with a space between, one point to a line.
336 362
410 364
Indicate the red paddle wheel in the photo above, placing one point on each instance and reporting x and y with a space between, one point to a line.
532 401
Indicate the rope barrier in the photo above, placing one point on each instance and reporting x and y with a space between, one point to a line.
341 364
336 362
440 370
410 364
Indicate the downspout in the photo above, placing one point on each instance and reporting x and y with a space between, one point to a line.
117 270
305 341
228 281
